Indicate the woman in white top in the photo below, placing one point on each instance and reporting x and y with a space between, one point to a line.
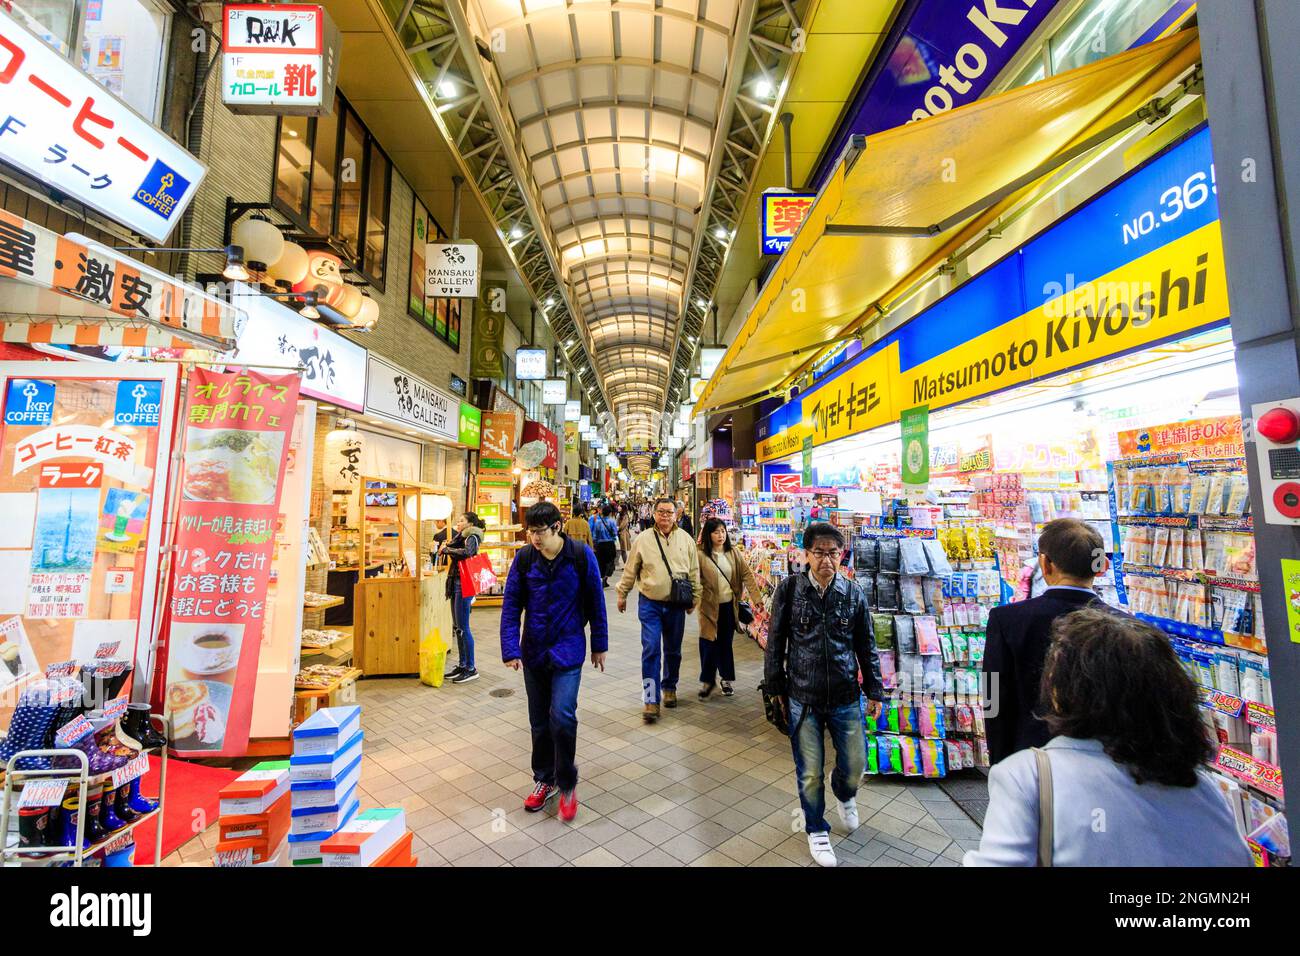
1125 767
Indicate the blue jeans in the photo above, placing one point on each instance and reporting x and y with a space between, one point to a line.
464 637
553 719
808 726
662 626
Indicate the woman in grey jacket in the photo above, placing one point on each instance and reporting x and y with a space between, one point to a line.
469 533
1124 769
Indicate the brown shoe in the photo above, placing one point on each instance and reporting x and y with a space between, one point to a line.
670 698
650 713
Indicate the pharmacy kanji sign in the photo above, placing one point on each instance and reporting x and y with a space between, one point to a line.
278 58
63 129
780 214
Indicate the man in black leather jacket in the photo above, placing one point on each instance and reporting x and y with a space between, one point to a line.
818 640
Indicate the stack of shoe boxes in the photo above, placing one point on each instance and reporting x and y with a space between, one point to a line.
376 838
323 775
255 817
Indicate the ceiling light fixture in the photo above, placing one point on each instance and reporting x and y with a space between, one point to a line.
763 88
447 89
721 234
516 232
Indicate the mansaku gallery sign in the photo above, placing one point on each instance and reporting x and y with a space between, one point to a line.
1101 282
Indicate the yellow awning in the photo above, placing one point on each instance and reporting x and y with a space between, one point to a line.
895 206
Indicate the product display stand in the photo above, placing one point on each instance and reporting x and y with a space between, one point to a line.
10 852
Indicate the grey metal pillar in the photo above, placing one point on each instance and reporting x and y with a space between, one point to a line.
1251 78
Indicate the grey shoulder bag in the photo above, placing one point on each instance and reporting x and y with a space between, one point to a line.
1046 807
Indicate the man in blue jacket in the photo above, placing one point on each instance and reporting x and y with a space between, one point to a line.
555 583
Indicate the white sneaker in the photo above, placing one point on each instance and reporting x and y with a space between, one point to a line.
819 845
849 812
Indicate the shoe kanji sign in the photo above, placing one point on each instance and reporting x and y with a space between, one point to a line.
278 58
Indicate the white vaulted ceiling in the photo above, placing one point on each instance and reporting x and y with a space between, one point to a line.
616 104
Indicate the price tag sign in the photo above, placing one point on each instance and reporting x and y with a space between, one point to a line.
107 649
61 669
240 857
115 708
1261 716
136 768
42 793
1225 703
72 731
111 669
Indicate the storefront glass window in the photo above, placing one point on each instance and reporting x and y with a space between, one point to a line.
352 171
293 163
376 214
1102 28
323 173
124 46
54 21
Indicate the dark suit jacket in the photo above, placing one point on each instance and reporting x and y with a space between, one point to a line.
1018 638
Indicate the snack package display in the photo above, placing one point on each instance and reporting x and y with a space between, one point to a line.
888 554
864 554
927 636
882 626
937 558
887 591
910 594
912 559
905 634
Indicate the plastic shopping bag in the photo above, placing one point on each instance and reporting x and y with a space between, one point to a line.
433 657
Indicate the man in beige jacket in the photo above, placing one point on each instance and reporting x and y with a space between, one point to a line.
662 623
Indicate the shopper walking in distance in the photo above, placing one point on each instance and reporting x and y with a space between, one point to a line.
604 532
624 530
1071 554
469 530
577 527
659 555
724 577
684 519
818 640
647 518
554 583
1121 782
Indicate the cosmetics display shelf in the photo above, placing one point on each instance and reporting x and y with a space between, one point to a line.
11 854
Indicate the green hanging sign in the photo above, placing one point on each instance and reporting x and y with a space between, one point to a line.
915 458
807 479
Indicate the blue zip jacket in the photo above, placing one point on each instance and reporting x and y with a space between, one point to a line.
547 596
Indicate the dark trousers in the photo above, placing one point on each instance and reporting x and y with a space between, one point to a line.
716 655
553 719
661 646
606 554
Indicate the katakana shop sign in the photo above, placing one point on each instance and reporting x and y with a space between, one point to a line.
236 436
278 58
62 128
117 287
780 214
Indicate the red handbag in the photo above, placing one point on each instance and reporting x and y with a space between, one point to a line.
476 575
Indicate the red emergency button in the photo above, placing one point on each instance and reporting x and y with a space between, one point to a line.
1279 425
1286 498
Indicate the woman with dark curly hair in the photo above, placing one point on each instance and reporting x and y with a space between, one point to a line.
1121 781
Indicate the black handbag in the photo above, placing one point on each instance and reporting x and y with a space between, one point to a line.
680 592
745 613
776 714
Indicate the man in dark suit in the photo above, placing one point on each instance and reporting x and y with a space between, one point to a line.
1071 554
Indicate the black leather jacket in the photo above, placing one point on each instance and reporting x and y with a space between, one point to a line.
816 645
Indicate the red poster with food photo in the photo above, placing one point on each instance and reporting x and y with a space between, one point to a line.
236 435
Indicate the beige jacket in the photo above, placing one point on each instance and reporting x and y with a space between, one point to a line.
742 578
645 567
578 529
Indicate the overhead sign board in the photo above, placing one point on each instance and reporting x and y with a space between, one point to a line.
780 214
278 58
65 130
399 396
451 270
270 334
530 364
555 392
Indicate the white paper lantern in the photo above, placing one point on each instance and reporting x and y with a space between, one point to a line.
341 467
432 507
369 314
291 266
261 241
346 300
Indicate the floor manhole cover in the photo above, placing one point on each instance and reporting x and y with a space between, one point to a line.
502 692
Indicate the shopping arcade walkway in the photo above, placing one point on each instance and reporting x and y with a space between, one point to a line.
711 784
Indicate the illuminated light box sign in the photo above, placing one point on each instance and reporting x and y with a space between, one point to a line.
278 58
451 270
780 214
554 392
62 128
530 365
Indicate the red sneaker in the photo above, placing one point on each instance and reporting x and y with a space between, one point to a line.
537 799
568 805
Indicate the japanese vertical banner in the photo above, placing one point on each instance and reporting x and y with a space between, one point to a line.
237 428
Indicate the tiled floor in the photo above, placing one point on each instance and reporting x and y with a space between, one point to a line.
711 784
